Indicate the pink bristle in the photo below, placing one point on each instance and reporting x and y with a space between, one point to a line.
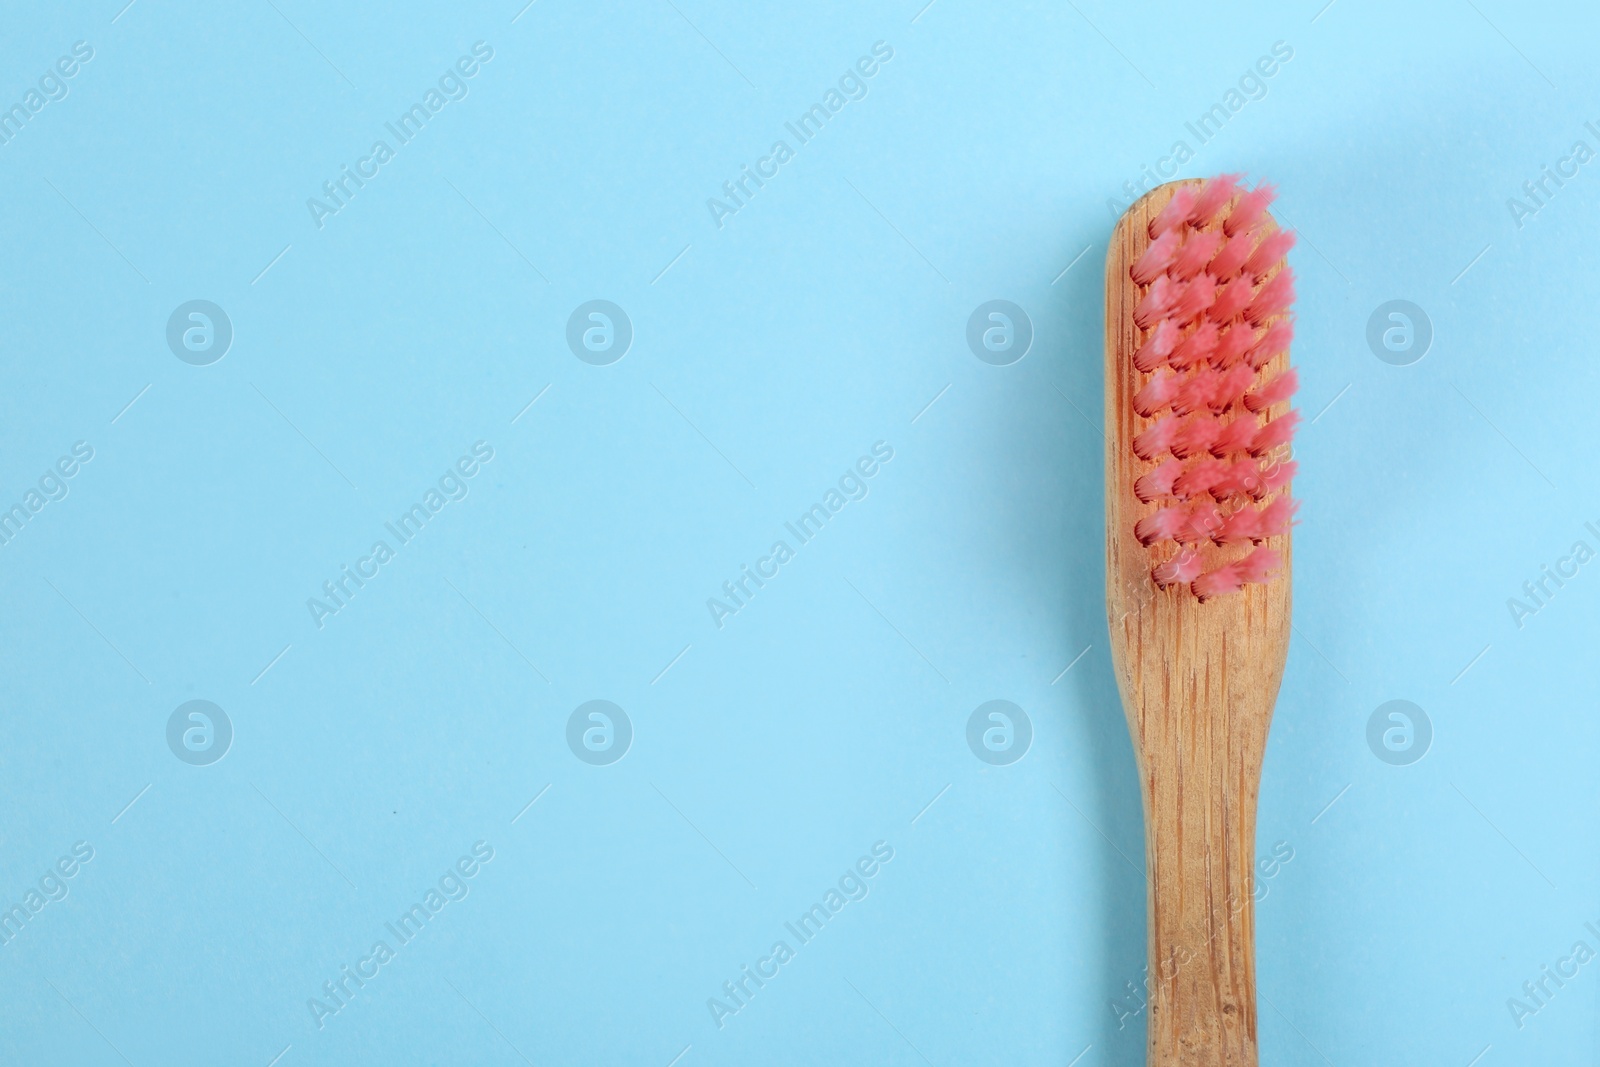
1157 393
1275 476
1276 391
1232 299
1272 343
1179 570
1196 348
1238 528
1195 436
1175 214
1157 257
1232 345
1195 253
1196 297
1232 387
1249 210
1219 582
1166 524
1214 196
1194 393
1238 479
1156 301
1268 254
1155 438
1276 517
1157 347
1214 297
1236 436
1259 565
1198 479
1273 299
1230 260
1157 483
1253 569
1205 519
1275 433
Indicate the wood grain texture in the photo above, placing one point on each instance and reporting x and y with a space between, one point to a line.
1198 684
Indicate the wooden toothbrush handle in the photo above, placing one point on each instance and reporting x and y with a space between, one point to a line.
1198 682
1200 768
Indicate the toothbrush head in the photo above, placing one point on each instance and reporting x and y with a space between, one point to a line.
1211 425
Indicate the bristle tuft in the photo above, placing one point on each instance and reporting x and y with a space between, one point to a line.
1175 214
1277 517
1155 438
1194 393
1231 259
1154 352
1196 252
1273 299
1164 524
1235 437
1258 566
1274 477
1181 569
1199 479
1157 394
1214 196
1194 436
1249 210
1156 302
1276 433
1157 483
1241 527
1157 257
1232 346
1232 387
1274 342
1196 348
1196 298
1232 299
1253 569
1276 391
1240 478
1269 253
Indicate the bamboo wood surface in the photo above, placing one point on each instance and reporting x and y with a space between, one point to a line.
1198 684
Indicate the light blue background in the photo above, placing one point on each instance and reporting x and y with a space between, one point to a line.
768 356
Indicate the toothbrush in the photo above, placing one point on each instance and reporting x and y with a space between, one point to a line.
1197 577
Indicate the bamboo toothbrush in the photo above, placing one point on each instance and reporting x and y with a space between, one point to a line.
1197 577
